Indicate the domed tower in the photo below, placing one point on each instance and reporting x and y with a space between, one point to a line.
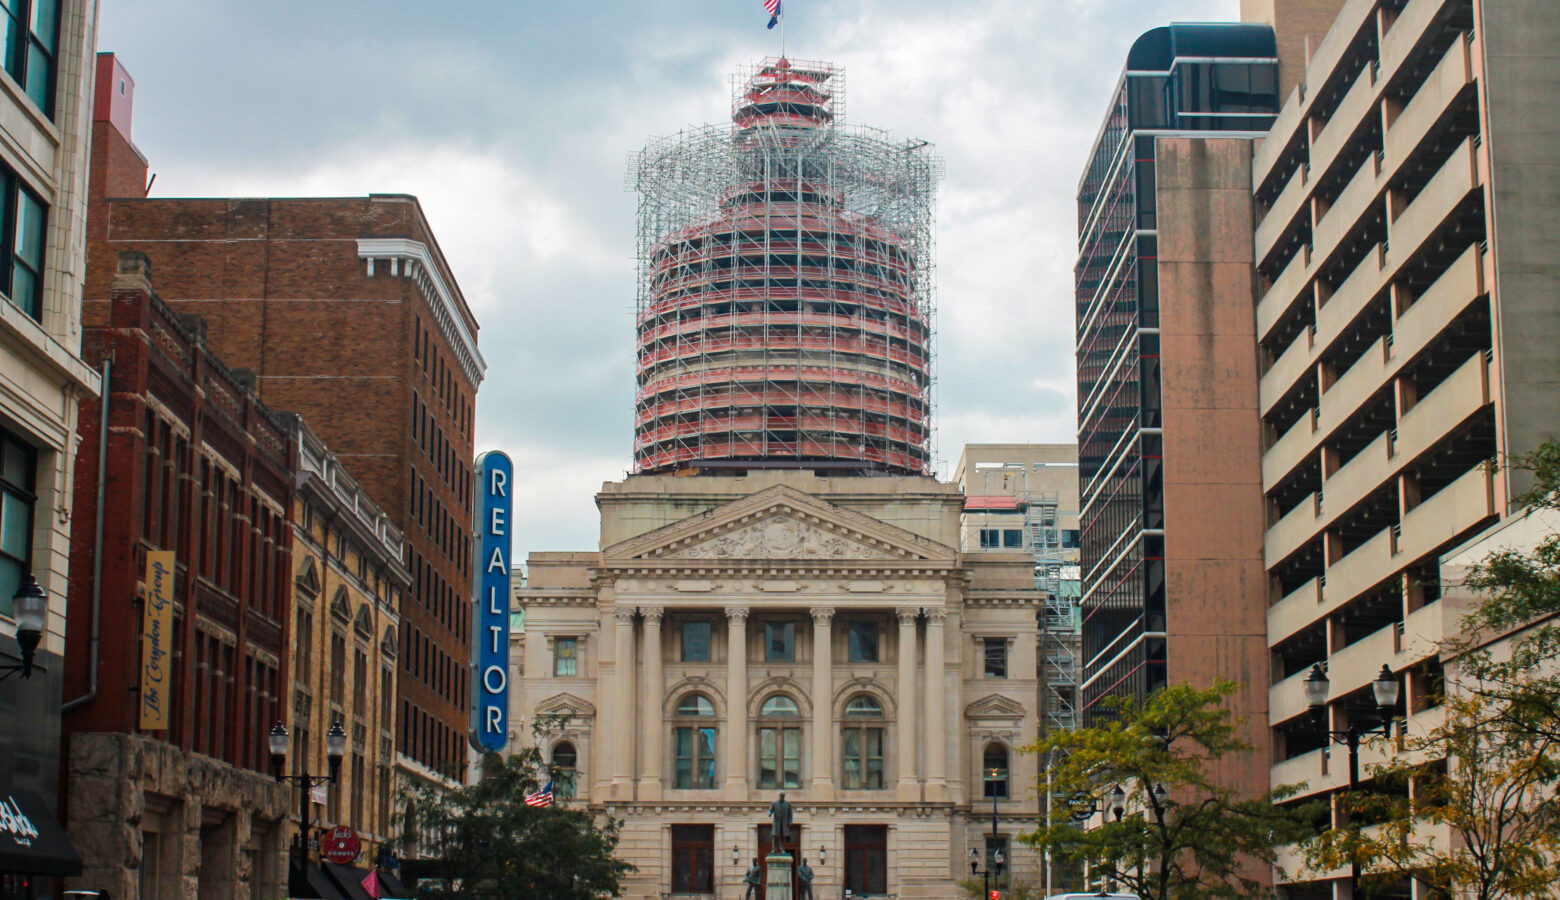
784 306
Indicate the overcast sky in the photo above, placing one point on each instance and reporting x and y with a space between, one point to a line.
512 120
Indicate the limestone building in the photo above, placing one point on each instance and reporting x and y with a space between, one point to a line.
1023 498
45 108
823 635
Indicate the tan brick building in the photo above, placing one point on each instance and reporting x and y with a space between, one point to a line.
348 587
327 300
739 636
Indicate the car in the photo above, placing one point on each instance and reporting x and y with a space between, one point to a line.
1095 896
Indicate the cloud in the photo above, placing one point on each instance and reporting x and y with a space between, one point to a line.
512 122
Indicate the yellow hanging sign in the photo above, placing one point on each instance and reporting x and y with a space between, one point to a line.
157 642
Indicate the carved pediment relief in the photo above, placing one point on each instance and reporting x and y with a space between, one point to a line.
778 537
566 705
995 706
782 523
308 580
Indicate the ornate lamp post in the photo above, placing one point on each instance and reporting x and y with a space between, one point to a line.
30 605
997 861
1385 689
335 749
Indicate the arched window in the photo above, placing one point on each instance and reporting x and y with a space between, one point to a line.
779 744
994 770
693 744
863 706
696 705
565 763
779 705
862 739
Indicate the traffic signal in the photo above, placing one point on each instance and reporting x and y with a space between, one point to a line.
996 895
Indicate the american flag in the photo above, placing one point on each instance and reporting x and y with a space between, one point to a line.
773 6
543 797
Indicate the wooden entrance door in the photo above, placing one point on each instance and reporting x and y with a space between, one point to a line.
793 846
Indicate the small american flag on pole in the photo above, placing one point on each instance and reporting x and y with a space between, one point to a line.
773 6
543 797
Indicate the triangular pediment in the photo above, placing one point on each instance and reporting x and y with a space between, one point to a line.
995 706
567 705
781 524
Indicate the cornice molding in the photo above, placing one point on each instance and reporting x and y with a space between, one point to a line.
411 259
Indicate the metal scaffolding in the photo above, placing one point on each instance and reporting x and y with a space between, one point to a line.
784 307
1060 628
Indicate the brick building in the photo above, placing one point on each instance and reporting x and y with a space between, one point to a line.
348 585
325 299
195 465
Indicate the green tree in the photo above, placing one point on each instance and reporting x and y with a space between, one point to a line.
1488 774
1180 834
489 844
1491 790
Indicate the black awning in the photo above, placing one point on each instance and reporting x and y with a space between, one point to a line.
310 881
350 879
32 841
391 886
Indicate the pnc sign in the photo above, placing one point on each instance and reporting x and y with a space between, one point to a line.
490 634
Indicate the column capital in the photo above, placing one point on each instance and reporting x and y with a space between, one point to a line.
625 615
652 614
935 615
907 614
737 613
822 615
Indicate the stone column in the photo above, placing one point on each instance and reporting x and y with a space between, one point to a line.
650 705
909 784
936 711
623 700
823 704
736 761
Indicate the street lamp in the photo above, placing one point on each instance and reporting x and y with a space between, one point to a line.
1385 689
30 605
335 749
736 855
997 861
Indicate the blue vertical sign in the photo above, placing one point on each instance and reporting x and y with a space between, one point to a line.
490 707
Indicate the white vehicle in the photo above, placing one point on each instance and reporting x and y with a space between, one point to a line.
1097 896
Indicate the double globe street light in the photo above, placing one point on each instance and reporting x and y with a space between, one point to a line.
1386 690
335 750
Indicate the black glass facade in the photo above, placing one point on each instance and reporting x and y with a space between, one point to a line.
1181 79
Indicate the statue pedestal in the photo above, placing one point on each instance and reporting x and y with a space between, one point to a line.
777 883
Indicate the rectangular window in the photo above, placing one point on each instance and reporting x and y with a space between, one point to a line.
863 640
303 658
996 657
863 759
565 656
693 859
695 642
338 669
1070 539
695 753
866 859
1012 537
780 641
31 33
990 537
780 758
18 465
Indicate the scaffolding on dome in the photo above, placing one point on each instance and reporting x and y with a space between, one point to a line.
784 307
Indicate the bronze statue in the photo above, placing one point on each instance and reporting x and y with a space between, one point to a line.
804 880
754 880
780 832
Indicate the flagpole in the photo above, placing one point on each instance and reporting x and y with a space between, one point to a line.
782 32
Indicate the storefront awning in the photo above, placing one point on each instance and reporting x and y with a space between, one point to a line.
309 880
32 841
349 879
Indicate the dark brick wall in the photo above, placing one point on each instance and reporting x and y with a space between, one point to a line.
284 294
169 400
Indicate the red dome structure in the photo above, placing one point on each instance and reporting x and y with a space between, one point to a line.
784 314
